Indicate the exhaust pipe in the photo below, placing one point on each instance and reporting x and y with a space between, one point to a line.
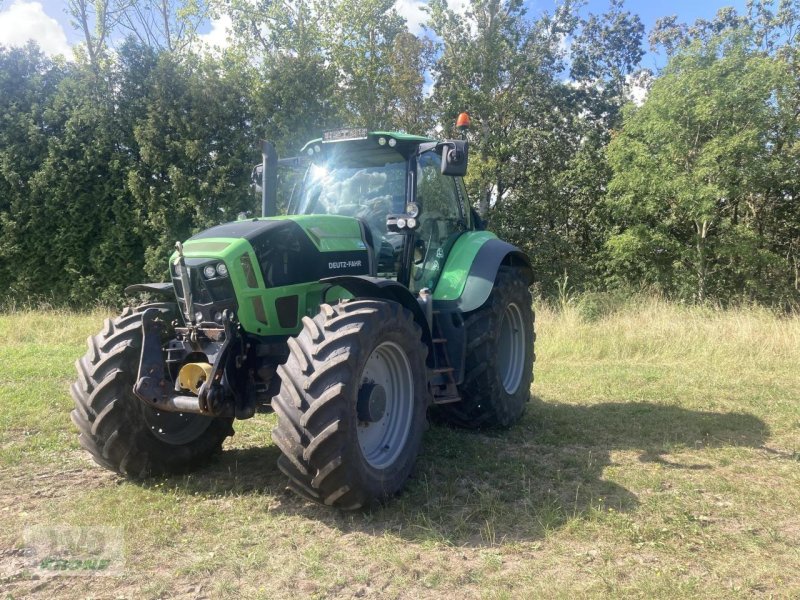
269 179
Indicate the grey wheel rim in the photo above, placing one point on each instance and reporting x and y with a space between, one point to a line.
382 441
511 349
176 429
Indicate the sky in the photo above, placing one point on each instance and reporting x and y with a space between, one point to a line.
46 22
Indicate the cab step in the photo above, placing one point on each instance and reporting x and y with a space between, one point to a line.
446 399
443 384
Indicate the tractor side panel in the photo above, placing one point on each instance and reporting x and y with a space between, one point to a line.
459 262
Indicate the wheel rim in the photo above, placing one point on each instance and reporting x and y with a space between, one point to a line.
511 350
176 429
382 441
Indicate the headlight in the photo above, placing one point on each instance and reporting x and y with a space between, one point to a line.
209 271
222 270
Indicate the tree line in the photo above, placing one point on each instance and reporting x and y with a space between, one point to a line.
612 177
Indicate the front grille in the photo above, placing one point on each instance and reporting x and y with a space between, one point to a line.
209 296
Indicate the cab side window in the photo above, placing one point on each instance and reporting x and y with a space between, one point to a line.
441 221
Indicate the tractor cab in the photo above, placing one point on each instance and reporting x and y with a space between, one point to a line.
406 190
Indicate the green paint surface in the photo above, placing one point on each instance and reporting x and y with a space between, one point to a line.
456 269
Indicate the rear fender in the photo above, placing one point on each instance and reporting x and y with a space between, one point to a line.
470 271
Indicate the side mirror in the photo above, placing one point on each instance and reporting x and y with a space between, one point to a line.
454 157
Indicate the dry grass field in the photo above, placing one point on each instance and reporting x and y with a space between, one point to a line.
659 457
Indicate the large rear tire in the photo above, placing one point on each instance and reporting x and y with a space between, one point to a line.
119 430
500 357
353 401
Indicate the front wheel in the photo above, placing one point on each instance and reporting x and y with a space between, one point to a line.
352 405
119 430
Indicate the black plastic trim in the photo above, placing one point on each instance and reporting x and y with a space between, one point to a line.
161 289
286 307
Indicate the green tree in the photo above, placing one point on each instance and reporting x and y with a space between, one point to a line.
195 151
606 51
264 29
70 240
294 101
360 38
501 68
409 61
691 168
28 83
538 165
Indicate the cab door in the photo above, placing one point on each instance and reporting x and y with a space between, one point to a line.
442 219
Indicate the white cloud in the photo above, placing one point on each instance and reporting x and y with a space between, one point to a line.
638 86
24 21
638 94
458 6
218 36
414 12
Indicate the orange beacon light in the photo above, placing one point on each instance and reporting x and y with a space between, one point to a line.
462 123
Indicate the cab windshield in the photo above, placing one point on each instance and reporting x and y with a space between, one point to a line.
355 184
367 184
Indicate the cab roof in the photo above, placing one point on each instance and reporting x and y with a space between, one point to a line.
398 135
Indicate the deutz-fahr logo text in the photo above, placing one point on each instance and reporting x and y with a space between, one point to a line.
345 264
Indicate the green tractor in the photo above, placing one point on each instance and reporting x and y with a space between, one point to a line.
377 297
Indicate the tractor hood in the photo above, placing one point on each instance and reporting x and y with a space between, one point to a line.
288 250
266 260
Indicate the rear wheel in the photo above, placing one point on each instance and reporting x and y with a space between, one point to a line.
351 410
119 430
499 363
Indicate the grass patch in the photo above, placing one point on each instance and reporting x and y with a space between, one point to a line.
660 457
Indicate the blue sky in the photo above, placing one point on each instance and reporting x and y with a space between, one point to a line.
46 20
649 12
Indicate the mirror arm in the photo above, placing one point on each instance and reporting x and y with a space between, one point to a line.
422 148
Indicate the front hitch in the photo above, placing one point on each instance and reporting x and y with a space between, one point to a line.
153 388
